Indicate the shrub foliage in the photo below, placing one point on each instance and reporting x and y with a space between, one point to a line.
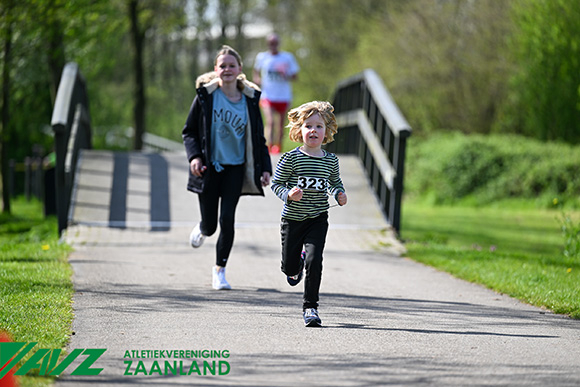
448 168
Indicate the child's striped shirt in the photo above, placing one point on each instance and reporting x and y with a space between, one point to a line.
318 177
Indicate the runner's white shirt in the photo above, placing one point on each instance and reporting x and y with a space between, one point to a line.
275 72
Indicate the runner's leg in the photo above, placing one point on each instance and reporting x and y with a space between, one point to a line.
230 191
283 113
314 246
208 204
269 122
292 236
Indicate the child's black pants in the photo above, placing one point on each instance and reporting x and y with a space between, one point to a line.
310 235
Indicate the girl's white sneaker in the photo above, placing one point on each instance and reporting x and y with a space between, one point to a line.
219 279
196 238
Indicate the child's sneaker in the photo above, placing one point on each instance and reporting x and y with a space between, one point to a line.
294 280
311 318
196 238
219 279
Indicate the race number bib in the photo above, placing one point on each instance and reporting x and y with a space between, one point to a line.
312 183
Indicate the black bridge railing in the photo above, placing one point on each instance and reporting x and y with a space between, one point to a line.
372 127
71 124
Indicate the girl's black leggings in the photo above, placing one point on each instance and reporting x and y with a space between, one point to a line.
227 186
310 235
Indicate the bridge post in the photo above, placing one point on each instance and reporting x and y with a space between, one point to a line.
71 126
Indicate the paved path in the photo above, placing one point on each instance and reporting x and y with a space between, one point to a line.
387 320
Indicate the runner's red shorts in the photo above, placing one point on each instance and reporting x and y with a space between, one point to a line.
280 107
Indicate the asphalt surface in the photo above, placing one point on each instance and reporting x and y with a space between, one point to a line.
387 319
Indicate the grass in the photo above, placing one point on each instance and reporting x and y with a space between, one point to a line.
36 292
515 251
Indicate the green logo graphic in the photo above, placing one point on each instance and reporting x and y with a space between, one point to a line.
202 362
46 360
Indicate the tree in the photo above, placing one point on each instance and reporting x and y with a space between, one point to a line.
34 37
545 90
153 21
7 27
55 37
138 38
444 61
324 46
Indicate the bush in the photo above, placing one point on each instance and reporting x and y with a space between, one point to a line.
448 168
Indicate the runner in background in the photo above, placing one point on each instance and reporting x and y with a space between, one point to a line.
273 71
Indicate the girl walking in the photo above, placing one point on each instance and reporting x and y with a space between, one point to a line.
227 153
303 180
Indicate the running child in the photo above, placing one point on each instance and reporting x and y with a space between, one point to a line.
303 180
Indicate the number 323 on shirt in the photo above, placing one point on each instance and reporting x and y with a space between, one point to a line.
312 183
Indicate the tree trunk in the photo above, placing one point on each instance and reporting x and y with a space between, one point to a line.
56 58
6 208
139 108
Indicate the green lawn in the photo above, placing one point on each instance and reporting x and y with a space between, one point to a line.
36 289
514 251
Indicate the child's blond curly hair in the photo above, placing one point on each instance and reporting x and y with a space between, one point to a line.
297 116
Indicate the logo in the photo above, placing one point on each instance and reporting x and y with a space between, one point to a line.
201 362
47 360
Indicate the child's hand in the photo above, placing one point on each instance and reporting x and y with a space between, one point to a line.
295 194
341 198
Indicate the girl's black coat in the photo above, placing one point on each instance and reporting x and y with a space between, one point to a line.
197 138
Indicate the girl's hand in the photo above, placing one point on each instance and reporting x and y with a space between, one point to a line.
295 194
196 166
341 198
265 179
